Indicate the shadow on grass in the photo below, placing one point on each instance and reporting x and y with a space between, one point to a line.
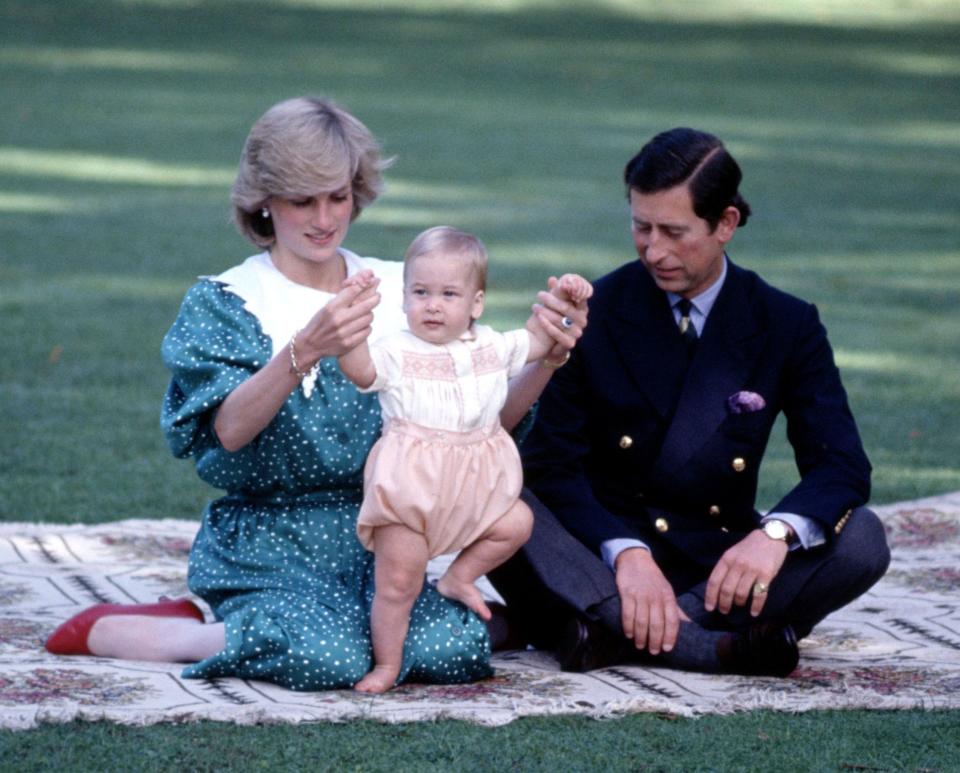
126 121
122 128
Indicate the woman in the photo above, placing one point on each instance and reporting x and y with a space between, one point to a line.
257 399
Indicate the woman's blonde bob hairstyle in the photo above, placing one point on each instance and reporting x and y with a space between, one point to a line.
298 148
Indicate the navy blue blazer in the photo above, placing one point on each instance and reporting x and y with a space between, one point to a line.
631 441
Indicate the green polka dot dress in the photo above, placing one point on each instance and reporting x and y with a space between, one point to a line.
277 557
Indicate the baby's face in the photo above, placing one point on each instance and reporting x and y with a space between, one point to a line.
441 298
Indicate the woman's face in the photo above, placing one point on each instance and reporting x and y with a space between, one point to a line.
309 230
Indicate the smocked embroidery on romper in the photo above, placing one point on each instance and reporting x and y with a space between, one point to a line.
485 360
436 367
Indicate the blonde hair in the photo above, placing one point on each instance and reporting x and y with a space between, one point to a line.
445 240
298 148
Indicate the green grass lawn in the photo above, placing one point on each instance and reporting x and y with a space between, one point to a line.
760 741
121 128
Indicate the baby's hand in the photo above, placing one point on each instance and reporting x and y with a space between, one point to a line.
362 279
573 287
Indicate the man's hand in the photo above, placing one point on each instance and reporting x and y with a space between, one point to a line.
649 611
755 559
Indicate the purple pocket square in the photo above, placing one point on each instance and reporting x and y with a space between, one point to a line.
745 402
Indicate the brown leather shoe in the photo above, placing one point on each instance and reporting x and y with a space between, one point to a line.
764 649
586 646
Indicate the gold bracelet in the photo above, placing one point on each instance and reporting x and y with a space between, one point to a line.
294 367
555 365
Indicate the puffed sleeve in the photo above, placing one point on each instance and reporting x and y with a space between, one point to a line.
517 350
386 356
213 346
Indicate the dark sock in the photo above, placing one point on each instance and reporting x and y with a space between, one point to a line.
696 646
695 650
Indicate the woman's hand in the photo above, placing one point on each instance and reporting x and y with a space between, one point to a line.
338 327
342 324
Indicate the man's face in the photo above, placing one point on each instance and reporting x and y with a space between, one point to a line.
676 246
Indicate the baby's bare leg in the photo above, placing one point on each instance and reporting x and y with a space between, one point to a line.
494 546
401 562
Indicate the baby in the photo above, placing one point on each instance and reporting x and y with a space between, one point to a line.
445 475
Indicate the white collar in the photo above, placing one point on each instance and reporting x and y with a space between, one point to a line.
281 305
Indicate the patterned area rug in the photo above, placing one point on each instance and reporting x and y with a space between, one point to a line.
898 647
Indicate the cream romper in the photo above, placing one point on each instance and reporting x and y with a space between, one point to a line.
444 467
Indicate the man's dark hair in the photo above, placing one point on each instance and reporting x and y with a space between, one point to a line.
693 157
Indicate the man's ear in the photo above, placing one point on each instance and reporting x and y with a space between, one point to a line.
727 224
477 310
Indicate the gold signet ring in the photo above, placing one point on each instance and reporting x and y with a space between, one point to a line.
759 588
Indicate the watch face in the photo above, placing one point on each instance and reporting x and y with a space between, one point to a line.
775 530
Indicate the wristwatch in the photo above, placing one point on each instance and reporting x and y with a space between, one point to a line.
778 530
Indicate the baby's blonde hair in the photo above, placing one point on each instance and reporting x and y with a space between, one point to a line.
448 241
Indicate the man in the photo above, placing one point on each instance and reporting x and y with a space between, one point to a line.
642 464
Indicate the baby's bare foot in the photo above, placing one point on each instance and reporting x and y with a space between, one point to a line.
379 680
464 592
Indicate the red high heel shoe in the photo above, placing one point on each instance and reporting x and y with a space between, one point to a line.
71 637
